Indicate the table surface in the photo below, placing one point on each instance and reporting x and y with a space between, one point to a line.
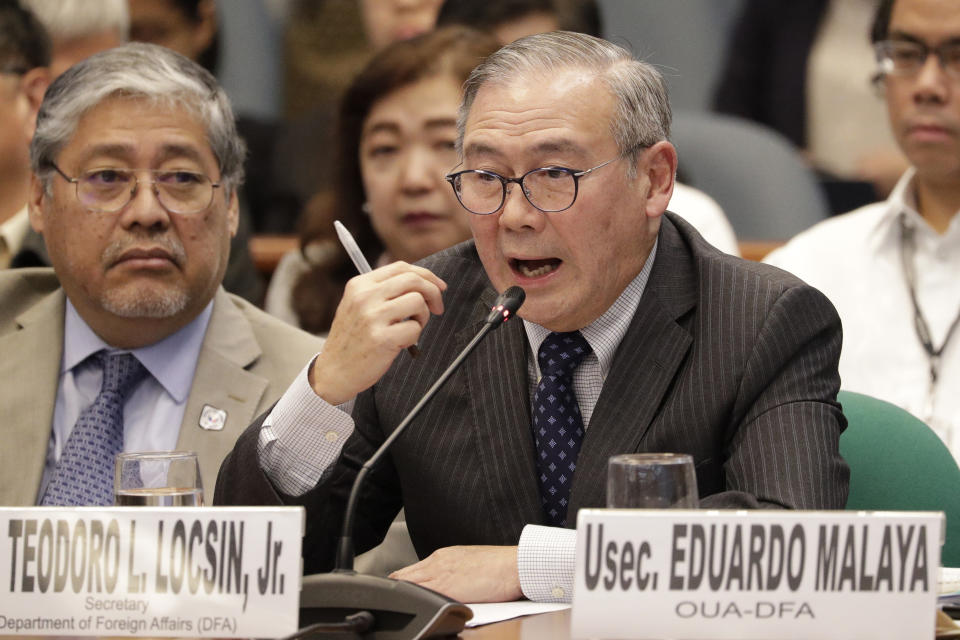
554 625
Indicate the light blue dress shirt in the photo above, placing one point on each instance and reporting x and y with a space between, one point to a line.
154 411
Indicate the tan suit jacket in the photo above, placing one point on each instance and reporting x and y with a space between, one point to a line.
246 362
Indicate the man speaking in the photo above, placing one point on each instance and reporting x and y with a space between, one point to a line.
637 335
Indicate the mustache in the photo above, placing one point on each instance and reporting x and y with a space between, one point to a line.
163 240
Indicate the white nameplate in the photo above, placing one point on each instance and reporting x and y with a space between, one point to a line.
146 571
710 575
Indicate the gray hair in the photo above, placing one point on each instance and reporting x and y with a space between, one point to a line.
642 114
68 19
142 71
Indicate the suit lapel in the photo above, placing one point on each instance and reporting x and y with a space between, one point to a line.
497 377
30 369
222 383
642 371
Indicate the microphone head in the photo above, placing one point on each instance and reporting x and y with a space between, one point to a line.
506 305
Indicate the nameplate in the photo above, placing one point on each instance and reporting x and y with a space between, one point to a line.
710 575
143 571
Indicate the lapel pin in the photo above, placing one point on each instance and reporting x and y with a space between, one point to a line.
212 419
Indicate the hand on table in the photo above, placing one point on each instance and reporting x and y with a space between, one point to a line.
468 573
381 313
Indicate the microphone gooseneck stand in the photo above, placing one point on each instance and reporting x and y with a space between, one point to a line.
399 610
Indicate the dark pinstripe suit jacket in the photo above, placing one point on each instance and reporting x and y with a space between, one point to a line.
731 361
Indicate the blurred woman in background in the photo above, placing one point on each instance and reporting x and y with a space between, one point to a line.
396 137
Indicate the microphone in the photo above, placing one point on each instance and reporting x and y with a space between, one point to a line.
400 609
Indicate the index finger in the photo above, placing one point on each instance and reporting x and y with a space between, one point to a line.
396 268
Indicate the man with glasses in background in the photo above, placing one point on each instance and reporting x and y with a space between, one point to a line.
24 62
891 268
636 335
129 343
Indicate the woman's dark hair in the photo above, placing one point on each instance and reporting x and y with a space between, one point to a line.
209 58
881 21
452 51
582 16
24 44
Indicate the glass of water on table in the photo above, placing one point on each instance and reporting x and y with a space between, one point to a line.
651 481
158 479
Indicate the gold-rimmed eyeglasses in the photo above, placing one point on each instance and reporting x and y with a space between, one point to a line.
108 190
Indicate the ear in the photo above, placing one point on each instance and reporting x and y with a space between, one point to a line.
659 165
35 83
233 213
35 203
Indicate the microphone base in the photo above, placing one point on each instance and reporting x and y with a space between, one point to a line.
402 610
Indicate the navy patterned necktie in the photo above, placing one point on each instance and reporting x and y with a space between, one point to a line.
84 475
557 424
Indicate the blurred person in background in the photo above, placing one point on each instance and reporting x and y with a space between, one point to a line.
389 21
509 20
24 76
78 29
890 268
191 28
397 135
803 68
327 44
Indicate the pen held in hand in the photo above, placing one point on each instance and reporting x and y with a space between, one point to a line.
360 262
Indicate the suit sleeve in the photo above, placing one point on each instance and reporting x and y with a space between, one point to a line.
784 451
243 481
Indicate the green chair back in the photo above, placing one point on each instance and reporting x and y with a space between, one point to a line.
898 463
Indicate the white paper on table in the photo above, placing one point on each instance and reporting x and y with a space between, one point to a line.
949 582
490 612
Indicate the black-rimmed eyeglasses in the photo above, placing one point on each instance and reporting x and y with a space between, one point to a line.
549 189
907 57
109 190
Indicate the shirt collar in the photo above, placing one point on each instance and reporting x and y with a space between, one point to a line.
605 333
903 201
173 372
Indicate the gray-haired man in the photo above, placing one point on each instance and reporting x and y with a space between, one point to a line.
678 347
136 163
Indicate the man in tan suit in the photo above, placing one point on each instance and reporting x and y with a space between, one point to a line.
136 163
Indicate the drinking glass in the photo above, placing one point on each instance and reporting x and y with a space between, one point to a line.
158 479
651 481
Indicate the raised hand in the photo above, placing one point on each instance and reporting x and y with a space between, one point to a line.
381 313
